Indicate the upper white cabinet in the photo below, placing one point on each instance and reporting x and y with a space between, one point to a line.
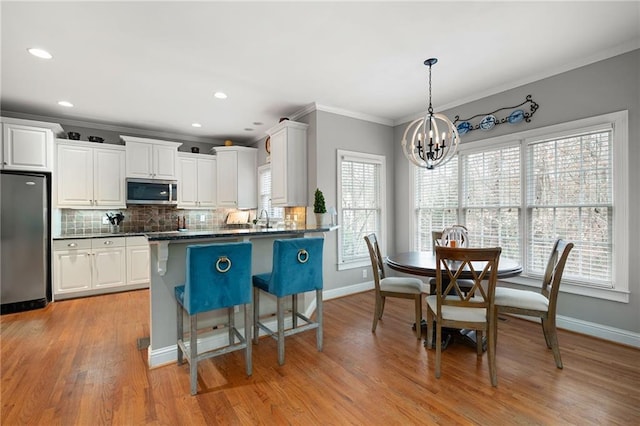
288 164
237 177
196 180
28 145
151 158
89 175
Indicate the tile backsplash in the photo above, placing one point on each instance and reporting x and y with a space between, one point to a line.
140 219
151 219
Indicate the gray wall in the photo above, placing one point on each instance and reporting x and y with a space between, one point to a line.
329 132
603 87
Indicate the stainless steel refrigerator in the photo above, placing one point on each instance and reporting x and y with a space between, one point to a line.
25 240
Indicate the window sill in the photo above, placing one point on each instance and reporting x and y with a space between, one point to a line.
353 265
598 293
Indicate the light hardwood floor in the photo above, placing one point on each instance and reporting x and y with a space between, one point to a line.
77 362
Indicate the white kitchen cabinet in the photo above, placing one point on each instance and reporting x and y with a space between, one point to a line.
90 266
83 265
72 266
150 158
28 145
197 181
89 175
237 177
109 262
138 269
288 164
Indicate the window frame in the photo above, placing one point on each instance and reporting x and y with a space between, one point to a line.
342 155
618 121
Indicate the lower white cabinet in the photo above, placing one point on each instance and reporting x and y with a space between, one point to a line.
89 266
138 271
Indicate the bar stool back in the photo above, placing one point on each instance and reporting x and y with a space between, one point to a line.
218 276
297 268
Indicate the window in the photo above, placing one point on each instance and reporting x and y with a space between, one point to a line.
361 195
264 191
491 198
522 191
436 201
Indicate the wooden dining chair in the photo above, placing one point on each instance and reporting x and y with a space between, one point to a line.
540 304
400 287
452 307
441 238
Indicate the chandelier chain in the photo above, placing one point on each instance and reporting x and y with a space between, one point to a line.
430 106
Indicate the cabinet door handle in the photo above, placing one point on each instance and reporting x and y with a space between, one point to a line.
108 242
72 245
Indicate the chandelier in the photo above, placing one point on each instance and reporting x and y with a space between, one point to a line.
428 147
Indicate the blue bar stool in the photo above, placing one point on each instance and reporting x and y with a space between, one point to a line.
218 276
297 268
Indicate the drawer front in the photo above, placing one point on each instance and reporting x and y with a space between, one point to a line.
75 244
102 243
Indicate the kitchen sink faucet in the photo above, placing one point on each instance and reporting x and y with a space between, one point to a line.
266 214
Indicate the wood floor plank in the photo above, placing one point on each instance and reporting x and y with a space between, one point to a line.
76 362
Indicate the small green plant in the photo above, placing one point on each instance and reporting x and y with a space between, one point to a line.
318 204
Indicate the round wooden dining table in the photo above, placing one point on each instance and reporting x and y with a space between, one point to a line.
423 263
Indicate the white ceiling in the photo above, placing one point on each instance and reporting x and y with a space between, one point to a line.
156 65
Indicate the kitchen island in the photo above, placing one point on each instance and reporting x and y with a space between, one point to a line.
167 263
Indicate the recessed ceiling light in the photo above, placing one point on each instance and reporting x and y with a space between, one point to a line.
220 95
258 123
248 129
40 53
196 124
65 104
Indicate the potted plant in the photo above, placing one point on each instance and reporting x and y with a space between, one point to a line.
319 207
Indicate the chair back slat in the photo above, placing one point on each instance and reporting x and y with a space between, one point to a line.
555 269
377 263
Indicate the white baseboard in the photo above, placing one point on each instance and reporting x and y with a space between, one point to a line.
167 355
592 329
600 331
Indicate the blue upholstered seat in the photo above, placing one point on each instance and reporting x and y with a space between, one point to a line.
217 276
297 268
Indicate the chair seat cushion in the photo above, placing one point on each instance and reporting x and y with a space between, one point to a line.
401 285
179 292
262 281
522 299
458 313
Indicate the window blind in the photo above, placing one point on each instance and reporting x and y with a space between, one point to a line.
436 201
264 189
491 198
360 206
570 195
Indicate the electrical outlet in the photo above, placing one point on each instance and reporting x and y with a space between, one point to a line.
201 218
105 220
364 273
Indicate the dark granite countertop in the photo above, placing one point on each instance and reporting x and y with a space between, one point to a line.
213 233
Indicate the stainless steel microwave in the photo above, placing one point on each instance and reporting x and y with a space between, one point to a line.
152 191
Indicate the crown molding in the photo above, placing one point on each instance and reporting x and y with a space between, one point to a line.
111 127
569 66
